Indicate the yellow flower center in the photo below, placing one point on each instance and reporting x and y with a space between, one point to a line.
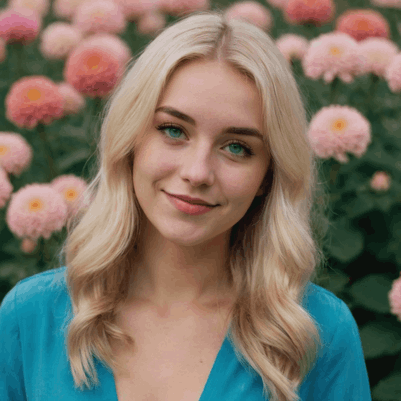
93 62
339 125
3 150
70 194
335 51
35 205
34 94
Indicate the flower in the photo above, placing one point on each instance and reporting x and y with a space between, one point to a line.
292 46
394 297
15 153
33 100
393 74
362 24
28 245
92 71
40 6
380 181
379 53
151 23
334 54
309 11
134 10
71 188
335 130
66 9
58 39
73 100
5 187
180 7
95 16
19 25
36 210
252 12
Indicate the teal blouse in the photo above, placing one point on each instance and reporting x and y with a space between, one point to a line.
34 367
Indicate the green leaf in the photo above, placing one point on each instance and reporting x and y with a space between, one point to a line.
66 162
388 389
372 292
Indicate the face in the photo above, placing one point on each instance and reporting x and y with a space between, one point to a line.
200 159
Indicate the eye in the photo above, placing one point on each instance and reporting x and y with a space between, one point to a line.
235 144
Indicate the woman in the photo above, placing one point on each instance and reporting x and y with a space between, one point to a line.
211 298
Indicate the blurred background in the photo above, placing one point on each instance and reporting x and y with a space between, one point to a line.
60 60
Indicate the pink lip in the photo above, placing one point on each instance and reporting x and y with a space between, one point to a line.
191 200
188 208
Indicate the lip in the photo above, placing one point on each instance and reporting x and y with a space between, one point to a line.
194 201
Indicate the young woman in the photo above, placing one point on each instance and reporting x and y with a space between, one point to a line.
189 275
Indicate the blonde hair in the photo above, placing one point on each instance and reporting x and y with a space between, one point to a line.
273 253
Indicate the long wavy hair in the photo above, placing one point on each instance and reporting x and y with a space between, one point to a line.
274 250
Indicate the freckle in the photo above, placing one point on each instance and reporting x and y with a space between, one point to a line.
201 361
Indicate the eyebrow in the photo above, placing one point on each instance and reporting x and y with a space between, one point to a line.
190 120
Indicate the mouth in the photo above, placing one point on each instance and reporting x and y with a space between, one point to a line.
190 202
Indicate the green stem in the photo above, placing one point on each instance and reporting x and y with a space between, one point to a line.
334 172
333 90
53 173
371 93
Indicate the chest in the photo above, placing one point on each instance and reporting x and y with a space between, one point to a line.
171 359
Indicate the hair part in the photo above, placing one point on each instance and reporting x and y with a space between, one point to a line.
274 250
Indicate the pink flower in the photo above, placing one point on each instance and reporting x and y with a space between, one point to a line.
19 25
15 153
113 44
5 187
95 16
393 74
380 181
33 100
334 54
292 46
28 245
181 7
335 130
134 10
387 3
40 6
251 11
394 297
58 39
92 71
309 11
362 24
379 53
151 23
66 8
36 210
71 188
3 50
73 100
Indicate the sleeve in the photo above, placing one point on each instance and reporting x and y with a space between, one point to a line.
12 386
342 373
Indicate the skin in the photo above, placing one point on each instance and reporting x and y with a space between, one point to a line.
182 257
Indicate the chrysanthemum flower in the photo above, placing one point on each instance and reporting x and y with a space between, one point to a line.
33 100
362 24
393 74
3 50
379 53
66 9
334 54
278 3
179 7
309 11
15 153
380 181
73 100
6 187
292 46
335 130
113 44
95 16
71 188
394 297
92 71
151 23
387 3
58 39
134 10
19 25
40 6
36 210
251 11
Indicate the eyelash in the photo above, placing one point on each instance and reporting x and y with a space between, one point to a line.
248 150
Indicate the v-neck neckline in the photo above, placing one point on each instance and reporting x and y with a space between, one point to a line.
212 380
